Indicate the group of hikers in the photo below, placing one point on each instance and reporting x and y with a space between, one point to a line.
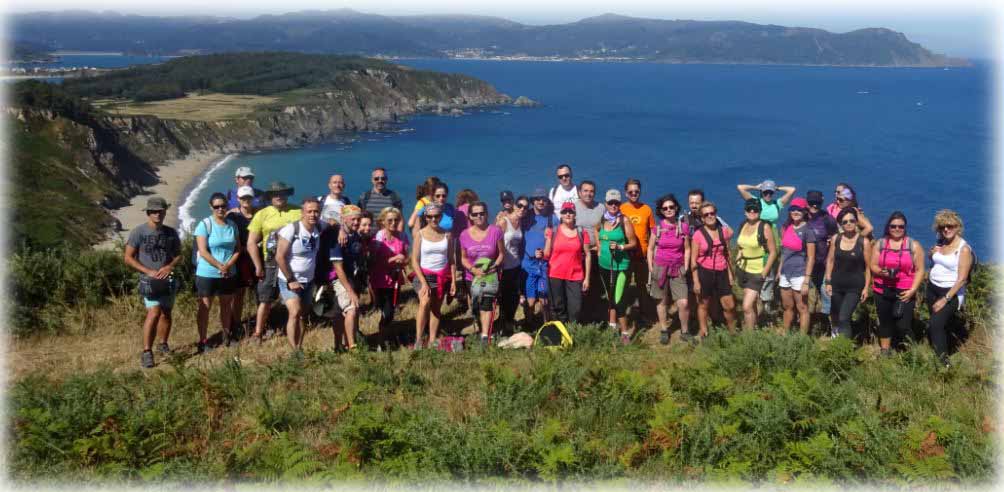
559 253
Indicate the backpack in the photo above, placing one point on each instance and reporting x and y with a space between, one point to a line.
553 335
195 249
657 233
707 238
761 239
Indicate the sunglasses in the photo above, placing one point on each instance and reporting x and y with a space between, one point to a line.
709 214
380 179
155 212
568 212
633 192
246 177
948 226
433 217
220 207
815 205
564 176
521 205
393 220
767 192
841 199
849 221
477 214
896 227
614 203
668 208
752 209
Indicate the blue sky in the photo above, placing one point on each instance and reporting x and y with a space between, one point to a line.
959 28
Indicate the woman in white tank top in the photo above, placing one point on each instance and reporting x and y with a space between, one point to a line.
946 286
435 273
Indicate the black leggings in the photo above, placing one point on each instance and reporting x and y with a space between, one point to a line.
508 299
384 301
565 298
843 302
620 307
899 330
945 330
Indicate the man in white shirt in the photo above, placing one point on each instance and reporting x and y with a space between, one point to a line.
566 190
335 199
296 256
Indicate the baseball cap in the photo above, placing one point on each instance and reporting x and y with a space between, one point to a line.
567 206
506 196
244 191
539 192
768 185
798 204
243 172
814 196
612 194
350 210
753 203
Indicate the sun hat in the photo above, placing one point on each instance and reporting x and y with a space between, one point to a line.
613 194
244 191
278 187
539 192
155 203
243 172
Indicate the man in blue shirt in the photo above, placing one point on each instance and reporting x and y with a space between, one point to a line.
243 176
534 266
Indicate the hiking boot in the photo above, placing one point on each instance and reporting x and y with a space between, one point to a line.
664 337
146 359
163 348
229 341
202 348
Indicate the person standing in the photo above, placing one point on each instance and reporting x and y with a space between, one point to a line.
153 249
946 288
616 240
335 199
798 258
668 257
296 259
565 191
348 275
217 242
432 262
245 276
509 283
897 265
567 251
535 229
847 273
243 176
588 216
712 269
261 245
757 254
389 254
770 205
824 227
844 197
640 216
481 240
379 196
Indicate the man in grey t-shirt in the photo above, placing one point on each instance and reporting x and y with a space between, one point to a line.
153 249
588 215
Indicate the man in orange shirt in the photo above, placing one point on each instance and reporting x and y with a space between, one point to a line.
643 221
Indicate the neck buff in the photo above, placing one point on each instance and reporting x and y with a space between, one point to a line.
611 218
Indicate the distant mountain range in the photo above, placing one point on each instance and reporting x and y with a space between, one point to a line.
608 37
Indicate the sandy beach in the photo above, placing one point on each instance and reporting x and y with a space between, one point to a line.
175 176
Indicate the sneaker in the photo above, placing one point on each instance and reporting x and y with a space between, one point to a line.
229 341
625 339
484 341
146 359
202 348
664 337
163 348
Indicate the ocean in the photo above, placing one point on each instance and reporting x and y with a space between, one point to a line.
908 139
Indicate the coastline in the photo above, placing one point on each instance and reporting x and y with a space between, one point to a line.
176 176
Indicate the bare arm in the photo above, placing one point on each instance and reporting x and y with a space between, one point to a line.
632 238
650 254
768 231
130 259
866 246
416 265
281 250
830 255
744 191
810 258
788 192
254 252
548 241
917 251
500 255
864 225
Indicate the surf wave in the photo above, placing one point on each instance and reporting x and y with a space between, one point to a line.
185 219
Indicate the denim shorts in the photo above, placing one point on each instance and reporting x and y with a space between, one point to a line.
306 295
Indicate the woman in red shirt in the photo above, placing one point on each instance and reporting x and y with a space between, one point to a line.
567 251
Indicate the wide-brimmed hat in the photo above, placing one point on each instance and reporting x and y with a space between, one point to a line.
277 187
156 203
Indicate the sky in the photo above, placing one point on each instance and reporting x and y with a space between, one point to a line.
957 28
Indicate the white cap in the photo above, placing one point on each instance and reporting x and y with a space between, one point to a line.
244 191
330 214
243 171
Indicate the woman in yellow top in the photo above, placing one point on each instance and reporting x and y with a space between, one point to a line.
757 252
423 195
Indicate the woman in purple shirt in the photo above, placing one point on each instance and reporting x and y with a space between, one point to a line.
481 240
668 252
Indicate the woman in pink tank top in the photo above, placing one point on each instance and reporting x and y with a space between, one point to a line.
897 265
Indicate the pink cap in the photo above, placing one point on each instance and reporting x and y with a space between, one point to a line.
568 206
799 203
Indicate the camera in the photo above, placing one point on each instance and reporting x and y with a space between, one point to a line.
892 272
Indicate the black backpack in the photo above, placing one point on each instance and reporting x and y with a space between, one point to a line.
711 245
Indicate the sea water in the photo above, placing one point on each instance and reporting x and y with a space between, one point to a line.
910 139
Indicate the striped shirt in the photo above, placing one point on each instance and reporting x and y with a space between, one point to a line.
374 202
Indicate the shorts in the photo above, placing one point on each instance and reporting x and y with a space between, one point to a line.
212 287
714 283
677 286
164 302
267 290
344 302
534 285
306 295
431 280
747 280
793 283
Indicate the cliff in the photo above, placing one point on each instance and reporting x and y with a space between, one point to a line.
72 161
